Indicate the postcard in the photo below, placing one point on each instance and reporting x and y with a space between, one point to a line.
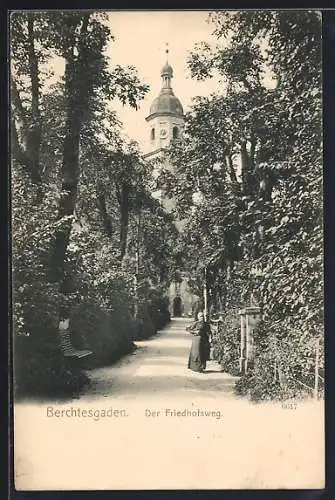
167 262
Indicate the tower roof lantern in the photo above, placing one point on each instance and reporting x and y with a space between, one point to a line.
167 70
166 103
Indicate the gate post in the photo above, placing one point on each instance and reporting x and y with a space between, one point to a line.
252 318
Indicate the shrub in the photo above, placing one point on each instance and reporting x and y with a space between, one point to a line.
258 383
283 367
226 343
144 325
40 369
101 302
158 309
107 334
153 313
39 365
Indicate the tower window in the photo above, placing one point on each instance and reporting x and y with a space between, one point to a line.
152 134
175 132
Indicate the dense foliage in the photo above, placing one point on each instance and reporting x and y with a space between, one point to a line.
226 342
81 204
93 248
249 176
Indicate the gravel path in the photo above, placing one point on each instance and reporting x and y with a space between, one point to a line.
150 423
158 369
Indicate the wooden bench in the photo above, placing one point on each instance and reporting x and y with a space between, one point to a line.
68 350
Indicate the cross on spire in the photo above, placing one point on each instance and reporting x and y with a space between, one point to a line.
167 71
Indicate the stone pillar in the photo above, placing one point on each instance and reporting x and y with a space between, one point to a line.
252 317
243 341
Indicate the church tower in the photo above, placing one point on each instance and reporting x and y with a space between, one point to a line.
166 117
166 124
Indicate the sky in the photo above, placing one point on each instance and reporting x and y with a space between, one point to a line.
140 41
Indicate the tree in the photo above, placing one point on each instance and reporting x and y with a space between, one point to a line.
64 114
80 39
252 162
29 51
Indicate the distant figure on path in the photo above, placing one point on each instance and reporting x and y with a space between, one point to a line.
200 348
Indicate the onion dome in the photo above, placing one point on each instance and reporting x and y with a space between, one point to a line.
166 103
167 70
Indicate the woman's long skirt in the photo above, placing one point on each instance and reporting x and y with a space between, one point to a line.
199 354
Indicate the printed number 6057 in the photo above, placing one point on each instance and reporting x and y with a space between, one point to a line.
289 406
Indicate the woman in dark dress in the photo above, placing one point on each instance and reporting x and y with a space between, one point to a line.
200 348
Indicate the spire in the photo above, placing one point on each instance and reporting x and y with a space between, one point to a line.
166 103
167 71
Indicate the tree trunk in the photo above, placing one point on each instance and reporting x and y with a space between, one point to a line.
27 152
77 90
137 263
124 218
228 281
34 133
245 168
266 187
253 144
101 200
205 295
70 178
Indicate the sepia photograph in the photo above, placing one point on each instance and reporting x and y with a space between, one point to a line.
167 249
